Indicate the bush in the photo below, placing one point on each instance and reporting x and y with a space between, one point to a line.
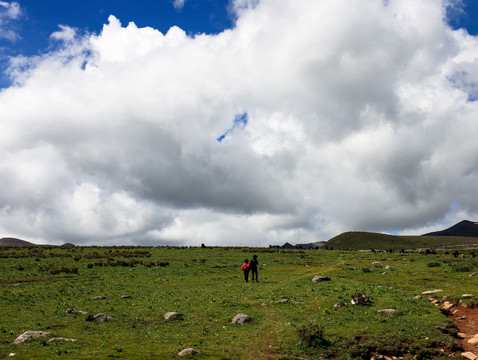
312 335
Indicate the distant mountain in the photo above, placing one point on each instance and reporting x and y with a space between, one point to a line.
463 228
14 242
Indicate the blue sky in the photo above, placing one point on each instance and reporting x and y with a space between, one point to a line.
39 19
304 120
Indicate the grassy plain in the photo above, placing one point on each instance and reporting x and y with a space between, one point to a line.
205 285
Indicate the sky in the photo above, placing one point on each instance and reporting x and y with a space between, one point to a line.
236 122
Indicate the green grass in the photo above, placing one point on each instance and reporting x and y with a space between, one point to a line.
358 240
206 285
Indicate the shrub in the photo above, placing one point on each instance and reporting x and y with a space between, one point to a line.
312 335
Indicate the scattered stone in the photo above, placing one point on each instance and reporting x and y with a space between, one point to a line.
474 274
172 315
11 354
429 292
388 267
58 339
461 335
469 355
125 297
360 299
28 335
283 301
76 312
17 284
101 318
298 302
98 298
188 351
473 341
447 305
467 296
320 278
241 319
388 312
418 297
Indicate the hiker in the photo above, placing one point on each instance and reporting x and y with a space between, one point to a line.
246 268
253 268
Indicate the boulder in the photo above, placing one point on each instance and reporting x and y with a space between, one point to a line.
76 312
283 301
241 319
447 305
320 278
474 274
467 296
28 335
125 297
188 351
98 298
429 292
58 339
473 341
172 315
418 297
469 355
103 317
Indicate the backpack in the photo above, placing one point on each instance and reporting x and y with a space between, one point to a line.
245 266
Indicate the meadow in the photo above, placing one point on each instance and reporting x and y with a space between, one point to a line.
206 286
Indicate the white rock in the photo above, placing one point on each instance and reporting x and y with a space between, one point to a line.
188 351
429 292
241 319
28 335
172 315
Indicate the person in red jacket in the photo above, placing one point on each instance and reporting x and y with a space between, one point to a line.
245 268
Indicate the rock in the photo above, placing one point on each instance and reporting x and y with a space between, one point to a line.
469 355
474 274
241 319
283 301
461 335
466 296
58 339
103 317
28 335
447 305
473 341
76 312
188 351
172 315
360 299
320 278
98 298
429 292
388 312
125 297
418 297
388 267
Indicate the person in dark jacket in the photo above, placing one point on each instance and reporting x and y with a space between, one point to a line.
253 268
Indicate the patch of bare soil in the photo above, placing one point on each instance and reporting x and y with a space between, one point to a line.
465 318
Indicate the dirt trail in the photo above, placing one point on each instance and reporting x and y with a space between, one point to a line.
466 320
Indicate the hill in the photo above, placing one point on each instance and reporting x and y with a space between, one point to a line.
8 241
358 240
463 228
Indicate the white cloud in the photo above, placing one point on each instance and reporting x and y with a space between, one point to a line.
178 4
358 118
8 11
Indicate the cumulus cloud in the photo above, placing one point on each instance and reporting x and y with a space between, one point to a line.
8 11
305 120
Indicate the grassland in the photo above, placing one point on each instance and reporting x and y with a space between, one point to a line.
206 286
